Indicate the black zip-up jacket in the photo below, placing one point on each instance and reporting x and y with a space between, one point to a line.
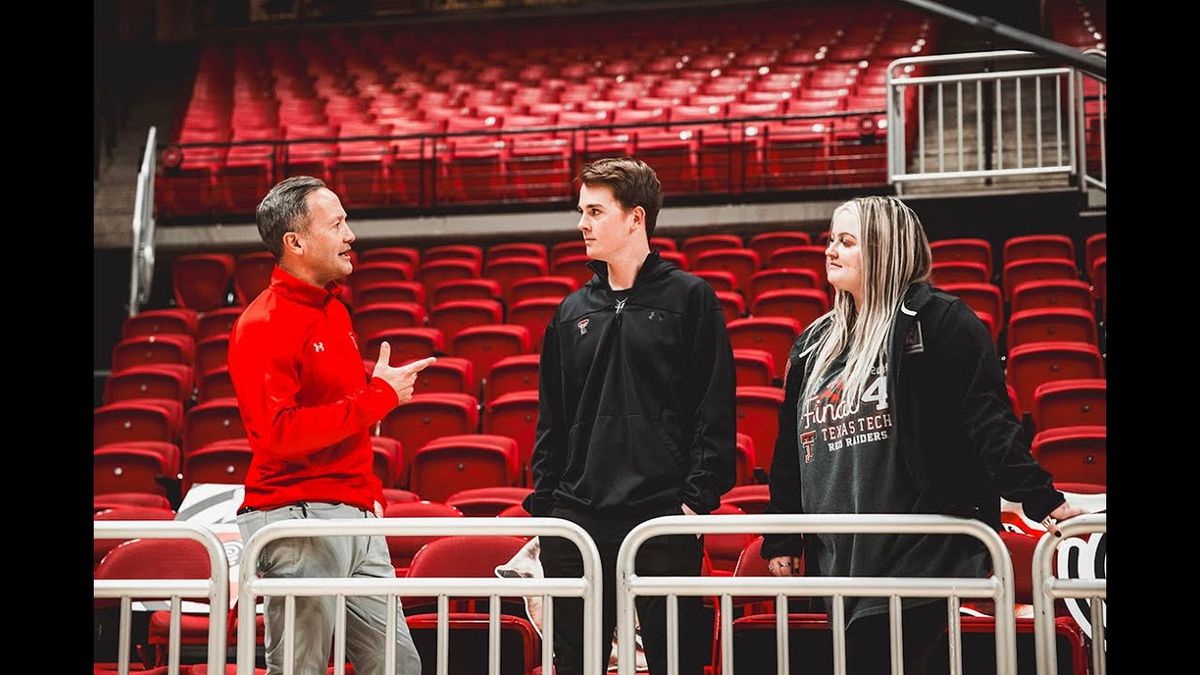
961 443
636 411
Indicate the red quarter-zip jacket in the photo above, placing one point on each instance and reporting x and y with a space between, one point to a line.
305 401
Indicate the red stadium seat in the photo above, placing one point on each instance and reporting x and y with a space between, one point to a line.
732 304
452 463
201 280
720 280
469 252
376 318
755 368
142 420
407 344
157 381
772 334
449 374
746 459
181 321
800 258
153 350
391 291
945 273
963 250
252 274
215 384
485 345
542 287
1036 246
574 266
1053 294
216 322
694 246
984 298
1051 325
427 417
749 498
437 271
459 290
124 467
388 463
510 270
212 421
1095 247
514 415
535 315
1034 364
456 316
373 273
766 243
758 417
487 502
1073 454
404 254
512 374
1069 403
402 549
211 354
1036 269
802 304
225 461
742 262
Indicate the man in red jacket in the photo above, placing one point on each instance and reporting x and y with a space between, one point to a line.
307 409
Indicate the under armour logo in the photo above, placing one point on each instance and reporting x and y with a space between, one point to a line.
318 346
582 326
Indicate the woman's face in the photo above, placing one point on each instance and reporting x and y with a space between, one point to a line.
843 256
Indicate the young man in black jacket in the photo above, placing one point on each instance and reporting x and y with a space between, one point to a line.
636 413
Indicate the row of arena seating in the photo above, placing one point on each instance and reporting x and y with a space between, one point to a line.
735 554
349 107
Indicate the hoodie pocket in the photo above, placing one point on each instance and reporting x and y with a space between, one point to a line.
625 459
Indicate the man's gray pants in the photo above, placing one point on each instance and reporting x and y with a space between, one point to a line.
366 616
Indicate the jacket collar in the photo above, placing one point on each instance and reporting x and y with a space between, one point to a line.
287 285
652 267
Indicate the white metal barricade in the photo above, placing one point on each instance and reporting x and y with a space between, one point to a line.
1047 588
998 587
1065 156
587 587
215 588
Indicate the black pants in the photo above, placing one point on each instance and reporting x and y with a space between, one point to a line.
676 555
868 642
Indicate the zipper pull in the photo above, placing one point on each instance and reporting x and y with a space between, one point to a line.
621 304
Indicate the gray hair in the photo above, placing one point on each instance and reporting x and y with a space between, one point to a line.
284 209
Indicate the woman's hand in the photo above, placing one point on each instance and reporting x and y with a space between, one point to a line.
784 566
1063 512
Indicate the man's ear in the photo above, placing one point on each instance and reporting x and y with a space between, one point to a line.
639 217
291 242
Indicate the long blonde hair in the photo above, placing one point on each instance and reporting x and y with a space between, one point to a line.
895 254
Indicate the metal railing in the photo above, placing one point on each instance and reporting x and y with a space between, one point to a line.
141 254
1062 157
998 587
586 587
215 588
1047 588
1100 117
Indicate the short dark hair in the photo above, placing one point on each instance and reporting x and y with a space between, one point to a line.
284 209
633 183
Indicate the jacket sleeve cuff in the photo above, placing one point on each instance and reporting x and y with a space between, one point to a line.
381 398
776 545
537 505
1038 506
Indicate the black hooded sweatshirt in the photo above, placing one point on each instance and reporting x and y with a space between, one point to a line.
636 412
